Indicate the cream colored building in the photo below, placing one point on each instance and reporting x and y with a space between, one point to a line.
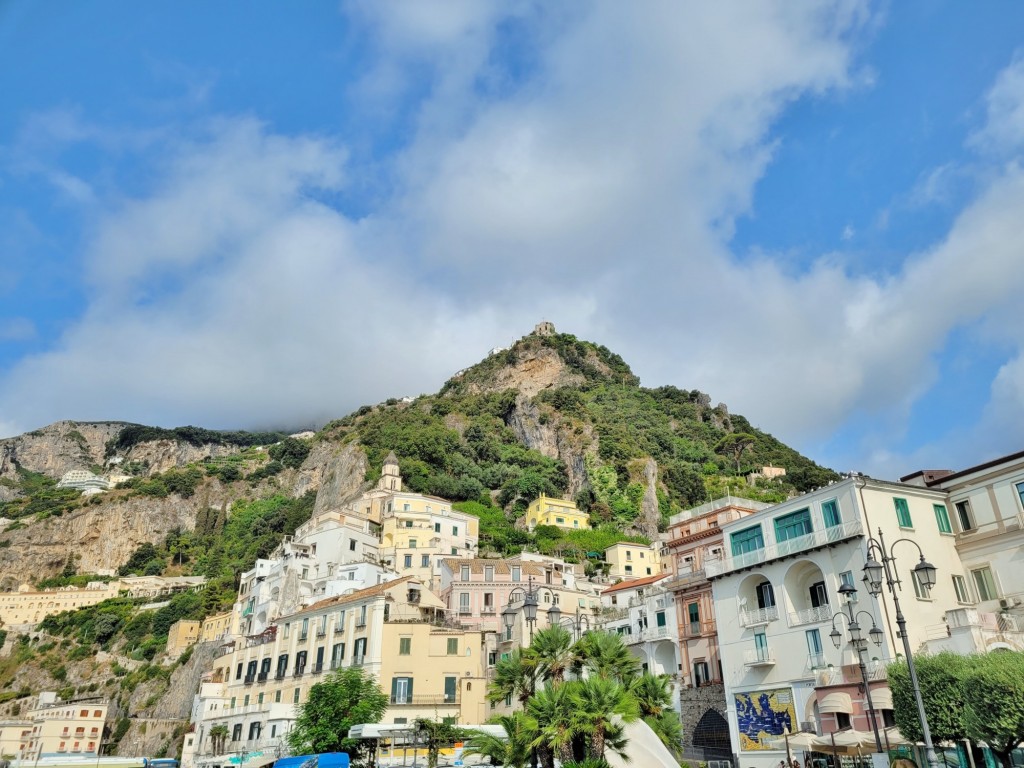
14 738
633 561
64 728
396 631
182 634
557 512
217 627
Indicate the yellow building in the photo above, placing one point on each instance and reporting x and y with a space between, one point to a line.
180 635
217 627
14 738
65 728
632 561
396 631
557 512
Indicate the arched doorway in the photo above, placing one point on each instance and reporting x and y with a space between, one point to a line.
712 735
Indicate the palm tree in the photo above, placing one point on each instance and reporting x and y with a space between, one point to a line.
653 694
515 675
605 655
601 707
552 649
217 736
551 708
513 751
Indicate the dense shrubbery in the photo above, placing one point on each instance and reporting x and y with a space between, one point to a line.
291 452
41 497
133 434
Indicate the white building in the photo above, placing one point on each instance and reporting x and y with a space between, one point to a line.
776 593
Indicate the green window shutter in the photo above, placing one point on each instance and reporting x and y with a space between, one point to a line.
903 513
660 617
449 689
942 518
394 688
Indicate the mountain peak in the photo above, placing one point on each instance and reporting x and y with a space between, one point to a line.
543 359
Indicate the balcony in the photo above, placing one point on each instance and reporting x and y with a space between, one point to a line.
759 657
850 674
426 701
318 668
815 540
321 631
299 670
759 616
358 660
249 679
303 636
816 661
280 674
262 677
810 615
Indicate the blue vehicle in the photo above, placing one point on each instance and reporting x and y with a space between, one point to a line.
322 760
159 762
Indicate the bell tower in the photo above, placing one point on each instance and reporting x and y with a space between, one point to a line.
390 477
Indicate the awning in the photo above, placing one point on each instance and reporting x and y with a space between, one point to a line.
881 698
837 702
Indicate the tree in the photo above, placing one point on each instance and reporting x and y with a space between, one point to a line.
291 452
653 694
734 445
218 735
941 681
993 709
516 676
347 697
552 650
600 707
551 709
436 734
605 655
512 751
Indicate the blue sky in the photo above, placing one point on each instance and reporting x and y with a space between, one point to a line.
237 215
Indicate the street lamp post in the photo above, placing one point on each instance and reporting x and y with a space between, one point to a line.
860 644
874 571
578 624
529 597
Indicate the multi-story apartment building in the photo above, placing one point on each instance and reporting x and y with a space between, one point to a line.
62 729
557 512
627 560
397 631
418 532
218 627
643 613
694 540
777 599
987 516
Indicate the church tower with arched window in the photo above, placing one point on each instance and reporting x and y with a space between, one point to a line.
390 477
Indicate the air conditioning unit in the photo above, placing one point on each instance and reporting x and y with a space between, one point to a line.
1009 602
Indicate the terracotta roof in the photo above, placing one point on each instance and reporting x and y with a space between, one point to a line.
503 567
355 597
635 583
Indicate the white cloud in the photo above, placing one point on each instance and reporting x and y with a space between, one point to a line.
17 329
599 192
1004 126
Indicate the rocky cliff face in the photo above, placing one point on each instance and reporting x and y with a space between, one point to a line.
56 449
551 438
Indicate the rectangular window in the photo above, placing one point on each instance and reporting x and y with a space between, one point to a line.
920 590
450 689
424 561
846 580
401 690
463 602
985 584
1020 492
453 646
700 673
765 595
287 630
964 516
793 525
412 543
404 646
517 573
408 561
337 654
488 602
659 618
352 545
464 573
747 540
960 587
816 657
455 530
761 646
942 518
295 695
488 573
277 697
903 513
437 527
830 513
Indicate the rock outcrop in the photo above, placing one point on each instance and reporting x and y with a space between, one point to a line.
553 440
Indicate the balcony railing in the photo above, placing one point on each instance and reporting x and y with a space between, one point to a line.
685 579
299 670
816 661
759 616
249 679
810 615
262 677
357 661
759 657
318 668
426 701
788 548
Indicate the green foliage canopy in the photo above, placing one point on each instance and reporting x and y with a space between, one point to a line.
345 698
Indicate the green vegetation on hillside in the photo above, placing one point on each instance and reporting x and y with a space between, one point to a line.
133 434
460 445
40 497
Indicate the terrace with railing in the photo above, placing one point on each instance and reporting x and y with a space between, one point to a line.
815 540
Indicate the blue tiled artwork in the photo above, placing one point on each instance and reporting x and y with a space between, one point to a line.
763 715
